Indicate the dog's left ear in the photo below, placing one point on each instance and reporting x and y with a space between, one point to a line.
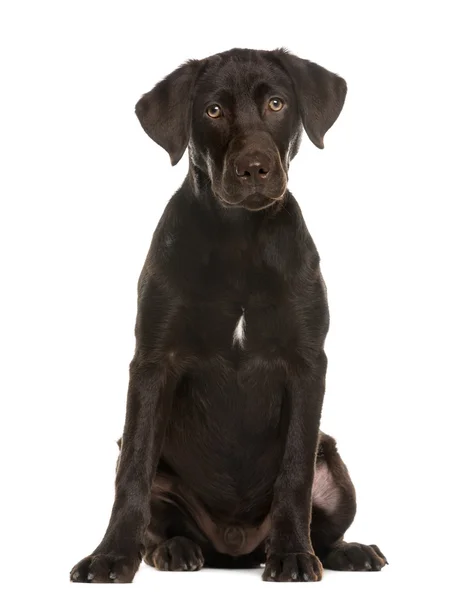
165 111
320 93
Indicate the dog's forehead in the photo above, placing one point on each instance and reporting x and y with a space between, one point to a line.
240 75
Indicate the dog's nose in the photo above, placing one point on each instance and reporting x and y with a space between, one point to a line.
252 168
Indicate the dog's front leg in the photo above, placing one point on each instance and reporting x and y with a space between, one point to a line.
290 556
149 399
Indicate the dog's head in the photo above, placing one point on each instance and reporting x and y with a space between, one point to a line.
241 115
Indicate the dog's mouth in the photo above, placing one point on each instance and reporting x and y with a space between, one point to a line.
257 198
254 202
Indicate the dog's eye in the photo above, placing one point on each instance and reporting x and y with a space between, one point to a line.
276 104
214 111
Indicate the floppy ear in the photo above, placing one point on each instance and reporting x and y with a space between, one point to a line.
320 94
165 111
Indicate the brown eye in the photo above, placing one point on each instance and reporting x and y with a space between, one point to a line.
214 111
276 104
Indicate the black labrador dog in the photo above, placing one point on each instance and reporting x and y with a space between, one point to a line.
222 462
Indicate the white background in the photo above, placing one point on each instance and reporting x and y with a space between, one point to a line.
389 203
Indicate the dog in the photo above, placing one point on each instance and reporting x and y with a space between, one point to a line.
222 462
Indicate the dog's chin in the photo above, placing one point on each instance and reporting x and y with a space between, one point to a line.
254 202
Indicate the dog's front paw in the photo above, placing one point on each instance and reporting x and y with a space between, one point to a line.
302 566
109 567
177 554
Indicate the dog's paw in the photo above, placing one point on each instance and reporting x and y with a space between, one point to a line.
177 554
293 567
106 568
355 557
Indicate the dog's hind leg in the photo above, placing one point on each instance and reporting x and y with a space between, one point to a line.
333 510
182 537
173 542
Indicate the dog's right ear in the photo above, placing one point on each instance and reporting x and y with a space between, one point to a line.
165 111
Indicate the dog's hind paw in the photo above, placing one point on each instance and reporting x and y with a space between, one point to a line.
354 557
302 566
177 554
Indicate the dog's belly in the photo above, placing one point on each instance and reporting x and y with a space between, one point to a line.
224 441
235 539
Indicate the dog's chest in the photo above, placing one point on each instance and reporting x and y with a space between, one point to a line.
240 327
238 293
236 304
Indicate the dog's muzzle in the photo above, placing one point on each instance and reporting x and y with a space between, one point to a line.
253 175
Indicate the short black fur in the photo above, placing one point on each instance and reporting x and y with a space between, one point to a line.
222 460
